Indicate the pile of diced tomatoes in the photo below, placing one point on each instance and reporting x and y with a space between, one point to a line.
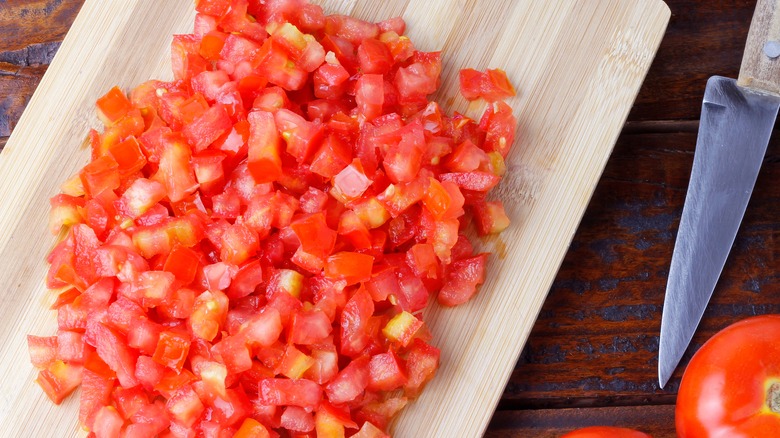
251 246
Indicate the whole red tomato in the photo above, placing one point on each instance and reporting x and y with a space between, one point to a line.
731 387
606 432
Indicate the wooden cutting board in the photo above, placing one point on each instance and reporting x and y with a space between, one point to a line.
577 66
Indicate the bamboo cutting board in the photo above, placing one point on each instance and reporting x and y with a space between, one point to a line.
577 66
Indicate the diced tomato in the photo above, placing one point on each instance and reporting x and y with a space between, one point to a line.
151 288
462 279
175 171
113 106
65 211
386 372
128 156
444 235
350 383
302 137
238 244
421 362
148 372
285 281
294 363
326 364
315 236
273 63
490 85
422 259
476 181
107 423
114 351
374 57
59 379
499 124
208 314
331 158
350 266
403 160
209 170
233 352
182 262
350 28
207 127
368 430
70 346
263 329
490 217
185 60
95 394
419 79
400 47
128 401
297 419
309 327
184 406
100 175
264 150
144 336
354 321
331 421
251 246
381 412
43 350
290 392
330 79
251 428
246 280
402 328
65 297
172 350
369 96
211 45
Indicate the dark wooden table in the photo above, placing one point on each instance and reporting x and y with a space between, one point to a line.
591 358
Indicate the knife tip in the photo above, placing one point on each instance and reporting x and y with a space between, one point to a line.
662 381
664 373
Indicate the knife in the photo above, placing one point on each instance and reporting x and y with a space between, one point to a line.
737 118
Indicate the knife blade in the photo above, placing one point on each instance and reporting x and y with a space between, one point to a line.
737 118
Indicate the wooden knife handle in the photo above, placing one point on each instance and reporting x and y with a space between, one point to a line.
759 70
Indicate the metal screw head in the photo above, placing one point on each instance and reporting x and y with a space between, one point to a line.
772 49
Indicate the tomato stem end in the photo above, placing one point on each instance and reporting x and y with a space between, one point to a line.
773 397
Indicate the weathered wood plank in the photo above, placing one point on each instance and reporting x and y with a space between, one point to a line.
17 83
552 423
24 23
596 339
704 38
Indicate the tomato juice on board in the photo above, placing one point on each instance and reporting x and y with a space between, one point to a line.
250 248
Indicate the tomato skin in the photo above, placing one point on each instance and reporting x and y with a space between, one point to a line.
59 379
490 85
264 148
43 350
290 392
352 267
354 320
732 373
605 432
107 423
461 281
95 393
